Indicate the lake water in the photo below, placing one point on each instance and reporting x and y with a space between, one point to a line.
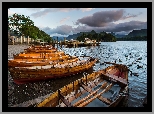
130 53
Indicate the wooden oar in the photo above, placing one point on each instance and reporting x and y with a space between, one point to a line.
87 97
90 100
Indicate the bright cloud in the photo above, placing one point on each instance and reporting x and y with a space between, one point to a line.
49 10
86 9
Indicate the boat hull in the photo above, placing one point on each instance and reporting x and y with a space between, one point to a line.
41 78
108 92
30 63
22 75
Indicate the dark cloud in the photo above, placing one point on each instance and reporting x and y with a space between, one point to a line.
127 26
120 28
103 18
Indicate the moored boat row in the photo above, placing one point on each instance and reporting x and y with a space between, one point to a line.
28 67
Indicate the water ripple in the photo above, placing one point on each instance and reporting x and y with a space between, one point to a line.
133 54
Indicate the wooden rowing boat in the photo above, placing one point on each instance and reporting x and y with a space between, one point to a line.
27 59
26 74
30 67
105 88
40 62
40 49
40 54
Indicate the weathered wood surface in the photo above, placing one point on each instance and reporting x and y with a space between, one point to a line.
101 98
87 97
93 98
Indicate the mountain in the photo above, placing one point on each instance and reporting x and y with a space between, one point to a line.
119 36
134 33
93 32
74 36
142 32
60 38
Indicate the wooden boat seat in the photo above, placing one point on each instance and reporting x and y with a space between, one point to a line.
116 78
82 104
82 92
112 94
83 101
101 98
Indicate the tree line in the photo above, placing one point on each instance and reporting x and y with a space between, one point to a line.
108 37
135 38
23 26
103 36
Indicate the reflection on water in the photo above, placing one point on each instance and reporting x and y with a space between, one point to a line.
130 53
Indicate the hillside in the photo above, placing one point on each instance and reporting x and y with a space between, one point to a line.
59 38
74 36
134 33
119 36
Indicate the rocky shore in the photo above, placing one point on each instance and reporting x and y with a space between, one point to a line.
13 89
15 49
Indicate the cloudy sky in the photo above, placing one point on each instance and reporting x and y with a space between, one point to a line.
67 21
